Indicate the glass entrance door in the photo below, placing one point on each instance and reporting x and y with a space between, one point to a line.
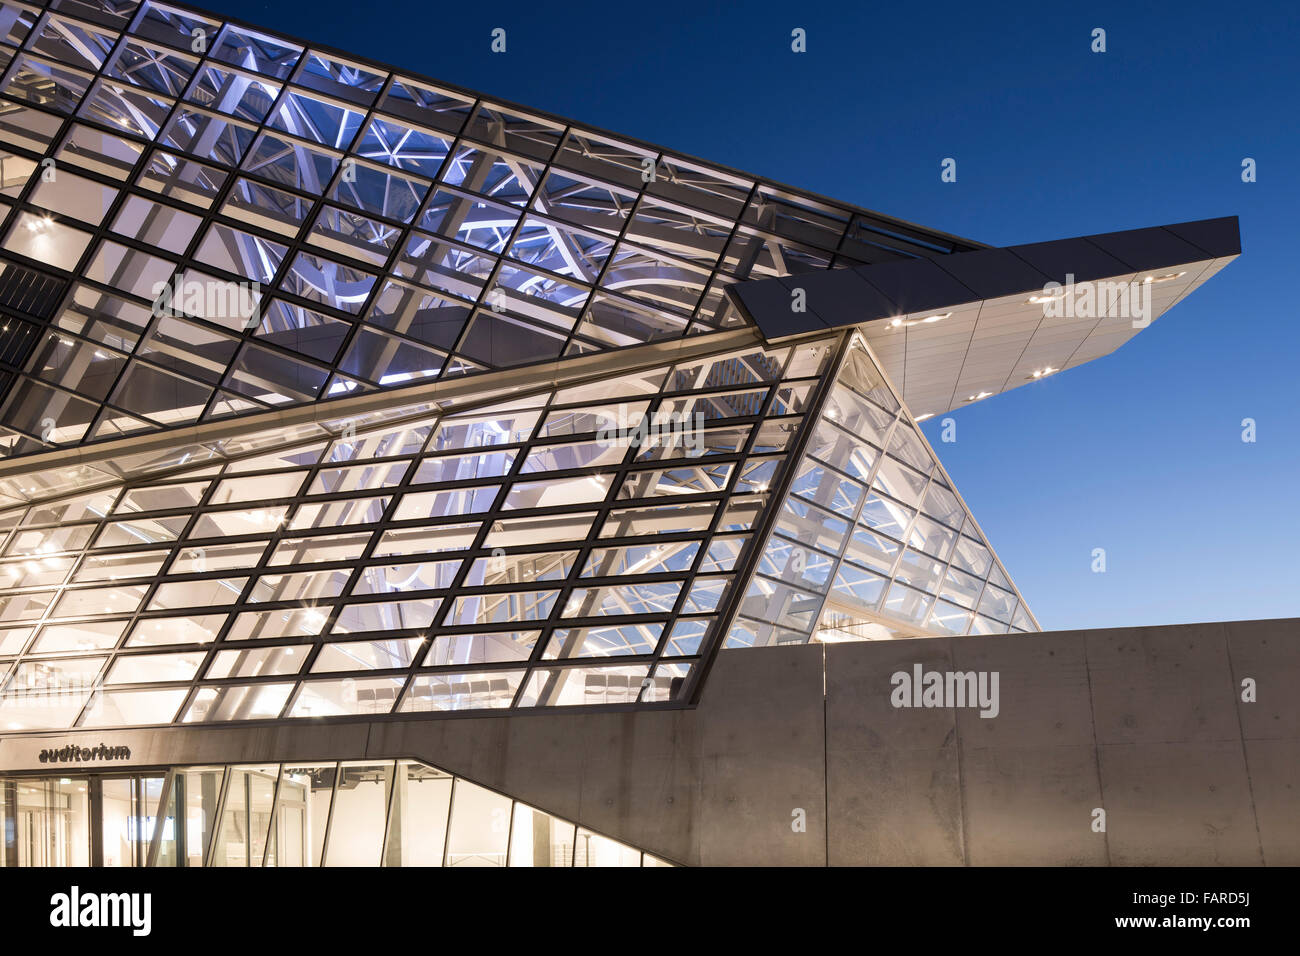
45 822
136 829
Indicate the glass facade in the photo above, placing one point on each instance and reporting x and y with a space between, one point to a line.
330 391
570 547
872 541
349 813
325 227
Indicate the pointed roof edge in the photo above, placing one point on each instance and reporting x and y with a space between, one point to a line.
860 294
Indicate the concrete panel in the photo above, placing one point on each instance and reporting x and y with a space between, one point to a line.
1275 788
1031 806
1029 775
640 778
763 757
1187 773
1044 695
1178 804
1268 652
895 807
892 773
1159 684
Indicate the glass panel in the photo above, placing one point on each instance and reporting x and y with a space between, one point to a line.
120 834
200 787
290 840
592 849
159 822
44 822
261 793
305 812
231 848
539 839
480 827
417 822
356 834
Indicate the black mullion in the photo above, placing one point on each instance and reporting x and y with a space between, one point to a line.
614 243
404 229
388 270
503 255
476 549
22 202
476 98
359 564
712 532
470 554
212 646
151 588
102 230
748 563
292 248
716 270
593 539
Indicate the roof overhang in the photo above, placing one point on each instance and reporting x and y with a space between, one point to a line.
954 329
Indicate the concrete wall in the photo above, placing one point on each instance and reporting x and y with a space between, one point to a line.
1145 723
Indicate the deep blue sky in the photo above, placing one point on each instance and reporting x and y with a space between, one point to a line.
1140 452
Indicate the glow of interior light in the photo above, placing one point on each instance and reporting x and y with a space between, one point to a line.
40 224
928 320
827 636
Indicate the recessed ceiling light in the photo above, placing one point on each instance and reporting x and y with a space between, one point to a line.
921 418
976 398
908 323
1164 278
1045 370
